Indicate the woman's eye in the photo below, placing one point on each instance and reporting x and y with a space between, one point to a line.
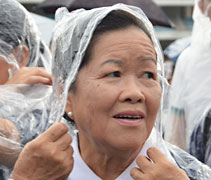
149 75
114 74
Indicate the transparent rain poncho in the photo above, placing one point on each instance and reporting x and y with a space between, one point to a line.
71 38
23 106
190 98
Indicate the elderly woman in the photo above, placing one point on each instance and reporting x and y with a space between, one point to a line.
108 74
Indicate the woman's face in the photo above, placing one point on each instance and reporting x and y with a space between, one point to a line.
117 94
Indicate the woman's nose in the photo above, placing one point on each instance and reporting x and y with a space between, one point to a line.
132 93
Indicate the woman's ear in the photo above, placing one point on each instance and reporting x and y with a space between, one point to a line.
21 53
69 108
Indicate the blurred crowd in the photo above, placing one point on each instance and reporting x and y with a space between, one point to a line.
103 101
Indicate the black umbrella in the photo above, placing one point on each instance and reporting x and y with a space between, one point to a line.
155 14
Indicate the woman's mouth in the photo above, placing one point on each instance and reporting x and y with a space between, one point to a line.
129 118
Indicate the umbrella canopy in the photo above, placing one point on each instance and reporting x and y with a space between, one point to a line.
155 14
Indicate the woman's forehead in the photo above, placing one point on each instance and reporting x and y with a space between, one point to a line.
123 44
132 32
129 36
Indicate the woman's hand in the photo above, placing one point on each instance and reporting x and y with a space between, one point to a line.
49 156
162 169
9 143
31 76
8 130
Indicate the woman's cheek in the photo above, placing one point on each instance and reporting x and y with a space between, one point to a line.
153 100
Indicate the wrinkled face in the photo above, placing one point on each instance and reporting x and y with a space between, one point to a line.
117 94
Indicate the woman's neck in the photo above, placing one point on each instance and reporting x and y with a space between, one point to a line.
107 163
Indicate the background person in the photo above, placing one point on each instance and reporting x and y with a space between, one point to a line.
20 46
25 63
190 100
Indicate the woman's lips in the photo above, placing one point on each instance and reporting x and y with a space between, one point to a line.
129 118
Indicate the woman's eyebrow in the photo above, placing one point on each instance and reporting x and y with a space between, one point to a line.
148 59
118 62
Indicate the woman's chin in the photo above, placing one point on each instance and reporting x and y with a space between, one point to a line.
129 143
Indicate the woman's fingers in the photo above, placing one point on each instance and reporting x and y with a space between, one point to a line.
144 163
156 155
69 151
31 75
36 75
40 72
136 174
64 142
161 168
55 132
38 79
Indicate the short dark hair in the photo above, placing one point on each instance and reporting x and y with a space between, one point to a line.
115 20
